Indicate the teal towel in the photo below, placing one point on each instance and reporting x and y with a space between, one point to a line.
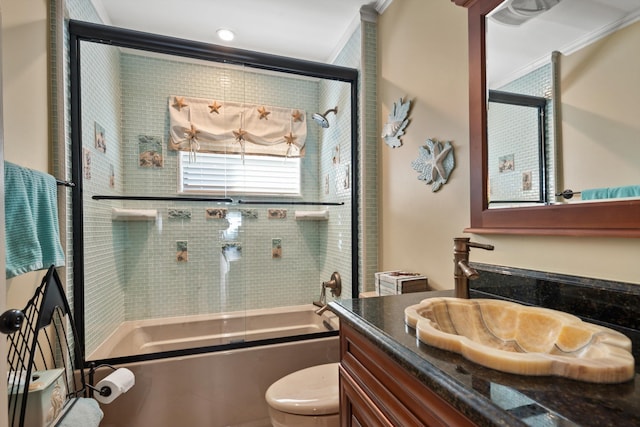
31 221
626 191
595 194
611 192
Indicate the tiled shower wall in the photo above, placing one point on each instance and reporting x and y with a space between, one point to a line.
105 294
157 285
508 185
136 261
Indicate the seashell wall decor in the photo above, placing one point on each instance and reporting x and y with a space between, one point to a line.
396 123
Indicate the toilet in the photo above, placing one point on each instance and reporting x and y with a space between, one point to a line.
306 398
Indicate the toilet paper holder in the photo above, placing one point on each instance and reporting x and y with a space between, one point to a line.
104 391
113 385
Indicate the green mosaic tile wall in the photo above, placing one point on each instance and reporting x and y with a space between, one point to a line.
131 267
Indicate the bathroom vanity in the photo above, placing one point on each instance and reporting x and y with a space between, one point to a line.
389 378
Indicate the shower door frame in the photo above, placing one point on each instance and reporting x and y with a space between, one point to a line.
80 31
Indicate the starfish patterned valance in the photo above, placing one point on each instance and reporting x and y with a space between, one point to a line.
209 125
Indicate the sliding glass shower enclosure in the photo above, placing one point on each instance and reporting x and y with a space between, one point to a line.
204 186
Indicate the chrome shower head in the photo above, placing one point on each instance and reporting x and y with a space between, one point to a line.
321 119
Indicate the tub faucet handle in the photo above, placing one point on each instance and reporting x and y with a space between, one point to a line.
335 284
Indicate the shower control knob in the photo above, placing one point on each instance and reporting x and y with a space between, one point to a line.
335 284
11 321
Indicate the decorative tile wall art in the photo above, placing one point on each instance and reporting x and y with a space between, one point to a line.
100 138
182 251
276 248
150 151
397 121
249 213
506 163
86 163
527 181
112 176
434 163
232 251
343 178
346 179
277 213
215 213
175 213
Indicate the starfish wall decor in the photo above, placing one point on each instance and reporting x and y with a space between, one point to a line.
434 163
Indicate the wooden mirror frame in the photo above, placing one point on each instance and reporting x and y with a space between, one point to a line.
606 219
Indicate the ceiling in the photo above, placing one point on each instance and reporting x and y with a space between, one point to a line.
310 30
514 50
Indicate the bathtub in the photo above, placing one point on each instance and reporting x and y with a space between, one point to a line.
219 388
178 333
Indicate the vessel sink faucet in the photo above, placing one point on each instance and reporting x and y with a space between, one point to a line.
462 271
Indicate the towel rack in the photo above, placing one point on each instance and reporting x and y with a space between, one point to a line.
65 183
167 198
248 202
568 193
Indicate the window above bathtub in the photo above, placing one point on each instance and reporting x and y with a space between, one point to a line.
231 174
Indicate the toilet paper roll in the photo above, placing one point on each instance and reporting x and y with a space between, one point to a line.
114 384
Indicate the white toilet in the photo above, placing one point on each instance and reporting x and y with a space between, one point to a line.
306 398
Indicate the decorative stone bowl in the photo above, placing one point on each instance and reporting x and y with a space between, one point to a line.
523 340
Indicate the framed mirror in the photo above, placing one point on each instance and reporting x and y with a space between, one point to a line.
615 218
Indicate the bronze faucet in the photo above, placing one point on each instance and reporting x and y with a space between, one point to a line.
462 271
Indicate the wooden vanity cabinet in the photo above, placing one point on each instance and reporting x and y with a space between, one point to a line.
376 391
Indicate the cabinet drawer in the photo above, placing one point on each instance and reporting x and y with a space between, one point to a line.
398 395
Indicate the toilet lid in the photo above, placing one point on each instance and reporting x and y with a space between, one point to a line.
310 391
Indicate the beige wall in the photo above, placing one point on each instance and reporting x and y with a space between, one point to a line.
24 86
423 56
600 104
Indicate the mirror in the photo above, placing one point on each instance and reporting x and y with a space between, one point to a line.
576 55
619 218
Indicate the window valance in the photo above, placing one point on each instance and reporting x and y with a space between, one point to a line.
207 125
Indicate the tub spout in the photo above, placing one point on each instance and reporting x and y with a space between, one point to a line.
322 309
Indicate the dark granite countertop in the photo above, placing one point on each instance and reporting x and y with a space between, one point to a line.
486 396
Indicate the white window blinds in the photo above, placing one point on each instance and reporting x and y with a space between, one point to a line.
227 174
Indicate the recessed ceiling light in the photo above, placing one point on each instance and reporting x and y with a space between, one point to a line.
226 35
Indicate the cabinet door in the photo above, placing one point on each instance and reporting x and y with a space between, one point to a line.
356 409
390 390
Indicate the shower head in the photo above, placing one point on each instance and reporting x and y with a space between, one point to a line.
321 119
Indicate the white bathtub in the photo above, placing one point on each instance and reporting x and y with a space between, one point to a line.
223 388
177 333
